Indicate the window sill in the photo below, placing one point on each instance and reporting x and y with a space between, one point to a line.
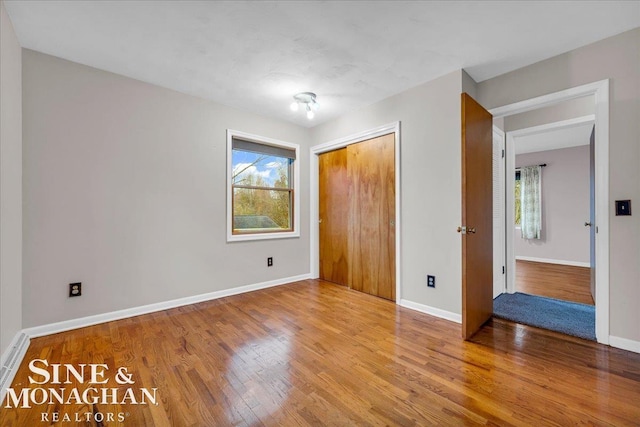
262 236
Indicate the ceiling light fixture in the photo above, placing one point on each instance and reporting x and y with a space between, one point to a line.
308 101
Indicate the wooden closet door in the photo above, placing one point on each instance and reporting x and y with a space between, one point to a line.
372 210
334 216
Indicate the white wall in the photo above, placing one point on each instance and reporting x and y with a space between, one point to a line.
430 183
469 85
571 109
10 182
615 58
565 206
125 191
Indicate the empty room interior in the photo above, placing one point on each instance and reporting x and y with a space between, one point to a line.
319 213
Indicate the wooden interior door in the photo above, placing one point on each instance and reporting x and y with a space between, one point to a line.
372 212
477 207
334 216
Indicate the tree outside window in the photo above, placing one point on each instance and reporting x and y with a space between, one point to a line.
262 195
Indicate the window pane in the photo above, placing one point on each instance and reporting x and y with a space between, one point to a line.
256 210
260 170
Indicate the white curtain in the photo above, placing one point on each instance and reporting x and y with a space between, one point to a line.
531 202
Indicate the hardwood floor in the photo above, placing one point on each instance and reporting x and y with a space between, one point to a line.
563 282
315 353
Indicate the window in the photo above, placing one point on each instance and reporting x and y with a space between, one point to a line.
517 199
262 200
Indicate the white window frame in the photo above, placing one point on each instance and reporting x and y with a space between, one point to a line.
296 188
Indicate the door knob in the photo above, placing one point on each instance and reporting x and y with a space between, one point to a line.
320 221
466 230
587 224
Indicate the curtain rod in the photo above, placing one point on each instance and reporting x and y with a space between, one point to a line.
542 166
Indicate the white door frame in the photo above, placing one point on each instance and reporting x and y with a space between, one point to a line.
502 239
600 92
314 227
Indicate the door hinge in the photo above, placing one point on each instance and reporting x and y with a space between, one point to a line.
503 269
503 153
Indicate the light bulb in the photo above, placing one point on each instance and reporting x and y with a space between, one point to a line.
310 114
294 106
315 106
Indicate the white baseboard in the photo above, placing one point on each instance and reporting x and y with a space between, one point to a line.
624 344
553 261
54 328
11 360
443 314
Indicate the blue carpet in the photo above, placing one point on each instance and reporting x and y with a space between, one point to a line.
569 318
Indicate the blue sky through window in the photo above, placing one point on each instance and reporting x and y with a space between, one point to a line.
256 164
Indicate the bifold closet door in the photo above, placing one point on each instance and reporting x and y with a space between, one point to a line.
334 216
372 212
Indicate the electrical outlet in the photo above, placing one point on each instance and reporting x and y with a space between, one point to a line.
431 281
75 289
270 262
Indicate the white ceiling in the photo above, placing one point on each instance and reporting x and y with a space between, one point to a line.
256 55
554 139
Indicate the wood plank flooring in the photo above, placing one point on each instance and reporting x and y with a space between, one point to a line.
563 282
315 353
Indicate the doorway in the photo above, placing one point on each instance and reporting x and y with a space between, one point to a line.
555 263
392 129
552 251
599 93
